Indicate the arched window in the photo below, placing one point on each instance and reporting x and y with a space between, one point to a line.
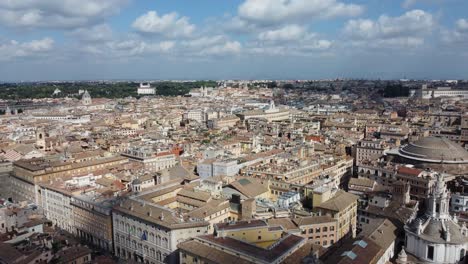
152 252
164 244
158 255
158 240
151 237
462 254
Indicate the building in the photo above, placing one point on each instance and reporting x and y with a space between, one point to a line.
86 98
149 233
223 122
369 150
27 173
146 89
92 220
439 154
152 159
427 93
74 255
271 114
243 242
436 236
321 230
342 207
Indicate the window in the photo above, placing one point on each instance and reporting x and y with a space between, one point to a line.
332 228
311 231
324 229
317 230
324 243
259 237
430 252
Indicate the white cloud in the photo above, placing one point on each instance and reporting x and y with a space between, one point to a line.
410 3
269 12
170 25
286 33
458 35
13 49
228 48
56 13
462 25
408 30
218 45
95 33
289 40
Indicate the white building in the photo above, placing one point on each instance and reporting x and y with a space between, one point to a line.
56 205
459 202
289 198
146 89
86 99
436 237
425 93
153 160
149 233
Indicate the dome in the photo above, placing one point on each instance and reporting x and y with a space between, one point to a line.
435 149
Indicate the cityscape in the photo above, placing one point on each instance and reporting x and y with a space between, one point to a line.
248 131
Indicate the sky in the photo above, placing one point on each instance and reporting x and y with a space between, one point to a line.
233 39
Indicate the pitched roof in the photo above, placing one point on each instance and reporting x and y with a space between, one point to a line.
249 187
340 201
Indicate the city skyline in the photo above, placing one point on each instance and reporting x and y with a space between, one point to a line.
242 39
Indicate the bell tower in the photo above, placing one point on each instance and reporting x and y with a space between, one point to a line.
40 138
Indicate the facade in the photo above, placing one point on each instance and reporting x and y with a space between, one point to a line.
426 93
151 159
271 114
27 173
146 89
149 233
86 98
321 230
436 236
369 150
56 205
343 208
92 221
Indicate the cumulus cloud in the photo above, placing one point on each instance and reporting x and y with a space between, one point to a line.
218 45
269 12
56 13
407 30
462 24
170 25
95 33
286 33
458 35
13 49
289 40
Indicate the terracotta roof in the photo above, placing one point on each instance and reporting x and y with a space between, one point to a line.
409 171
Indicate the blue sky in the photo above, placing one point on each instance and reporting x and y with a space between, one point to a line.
235 39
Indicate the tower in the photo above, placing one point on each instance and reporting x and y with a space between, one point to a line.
40 138
438 202
86 99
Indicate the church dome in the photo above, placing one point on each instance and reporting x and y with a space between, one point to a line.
435 149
